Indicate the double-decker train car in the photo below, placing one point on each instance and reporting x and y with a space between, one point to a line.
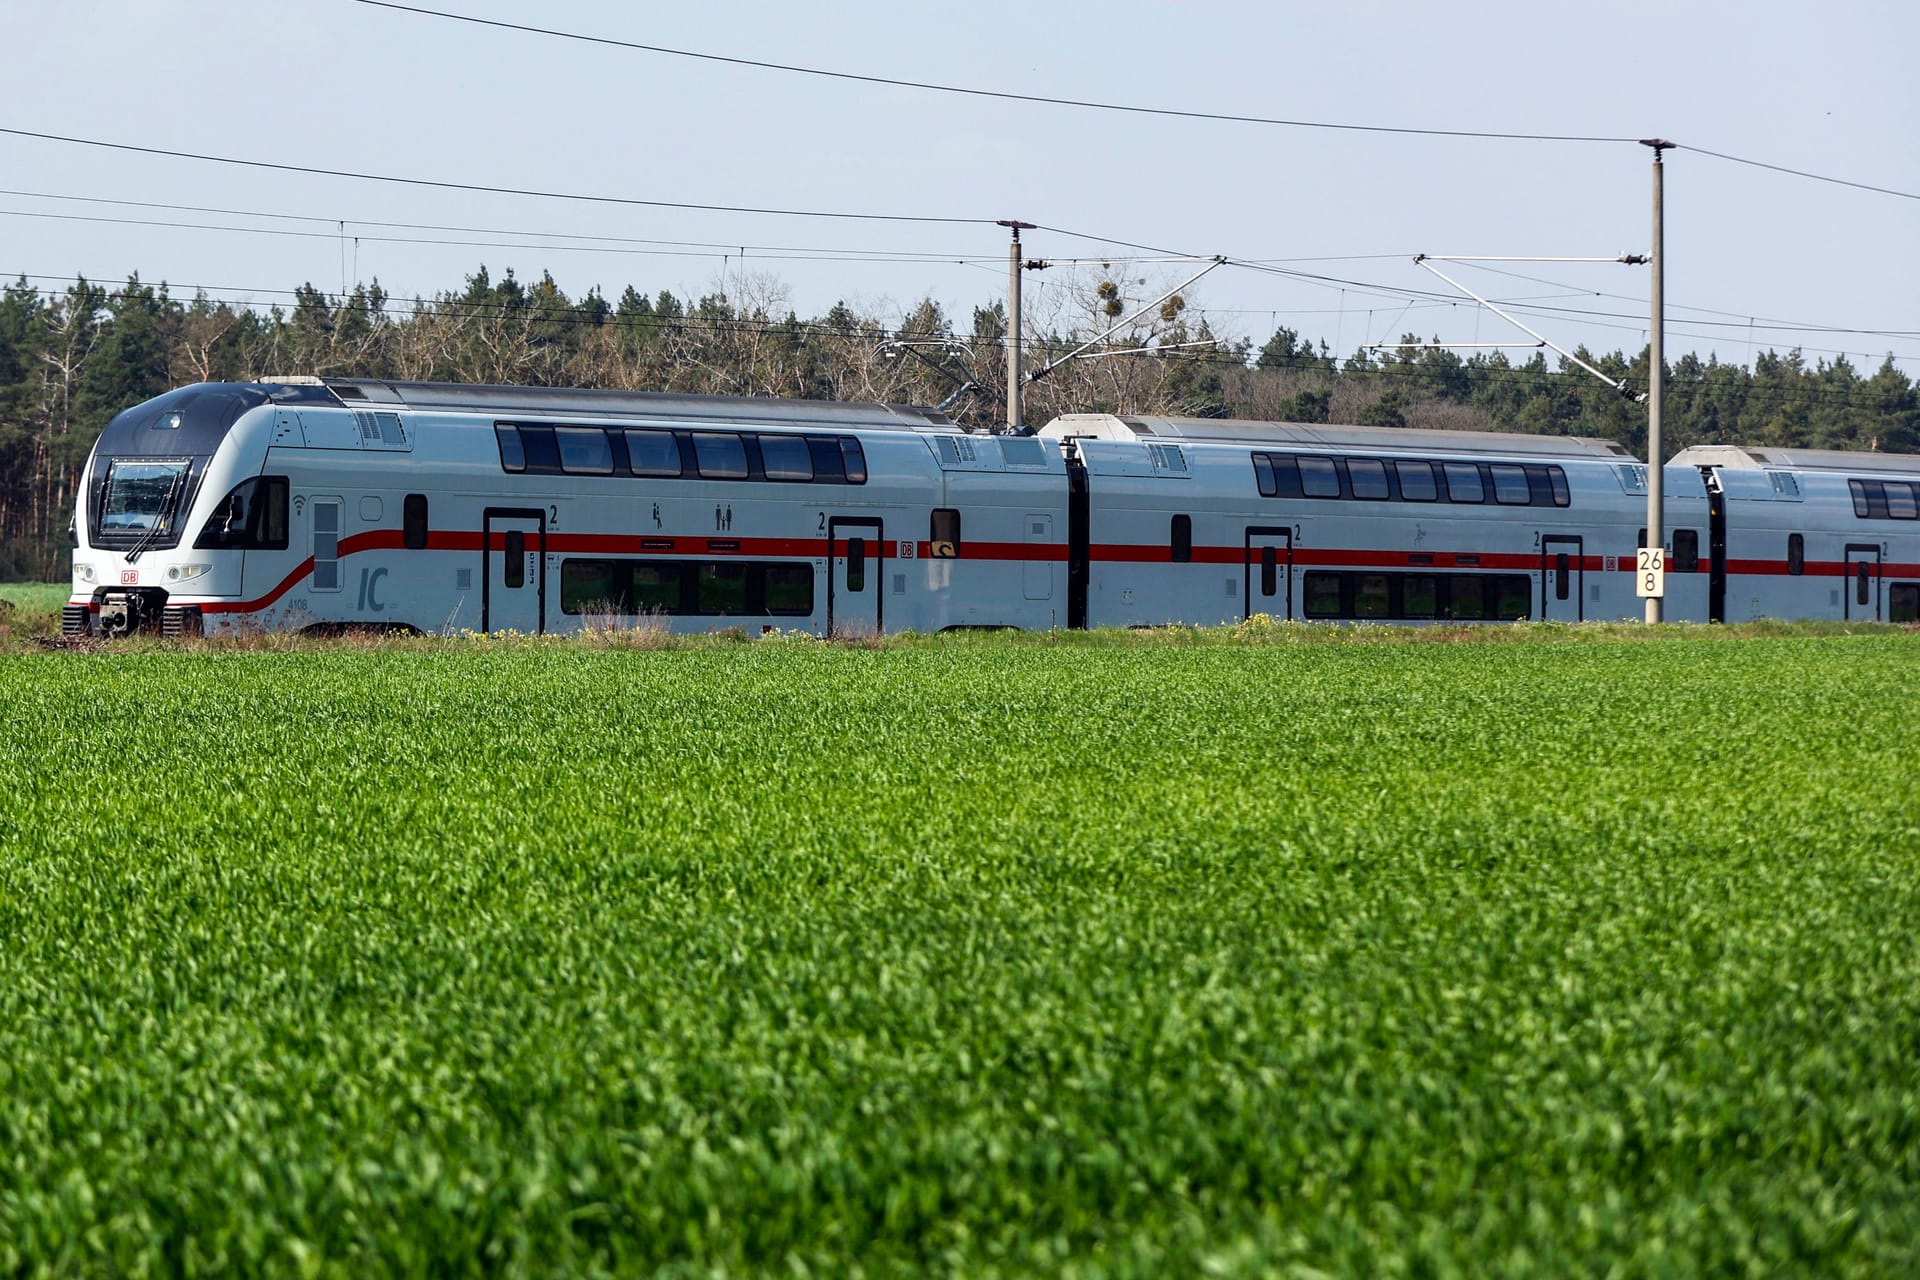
309 503
1214 521
435 507
1809 533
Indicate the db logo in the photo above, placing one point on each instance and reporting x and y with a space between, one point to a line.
129 577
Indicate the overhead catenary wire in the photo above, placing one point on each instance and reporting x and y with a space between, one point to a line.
491 189
1052 100
973 92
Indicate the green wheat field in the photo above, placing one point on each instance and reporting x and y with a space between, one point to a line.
1106 956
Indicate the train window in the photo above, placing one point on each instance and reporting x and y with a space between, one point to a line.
1181 538
1368 479
1562 566
786 458
413 522
943 534
1686 550
1510 487
543 452
656 586
828 464
512 456
1372 597
1796 554
1416 481
789 589
1463 482
1900 501
855 458
720 456
326 546
584 450
1862 504
1513 597
722 586
1541 492
1319 478
1263 475
1466 598
1269 571
1903 602
513 561
1286 476
1322 592
1557 480
253 517
1419 596
653 453
1861 578
593 586
856 564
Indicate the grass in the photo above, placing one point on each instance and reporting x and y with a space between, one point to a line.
1120 955
29 609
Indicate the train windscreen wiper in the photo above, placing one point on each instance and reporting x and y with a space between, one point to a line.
161 517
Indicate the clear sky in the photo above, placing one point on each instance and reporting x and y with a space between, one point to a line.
340 85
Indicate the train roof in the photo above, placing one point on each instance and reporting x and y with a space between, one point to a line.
1853 461
577 402
1107 426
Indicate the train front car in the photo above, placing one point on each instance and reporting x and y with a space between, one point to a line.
169 504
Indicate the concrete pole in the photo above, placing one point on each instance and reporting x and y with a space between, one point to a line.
1014 411
1656 378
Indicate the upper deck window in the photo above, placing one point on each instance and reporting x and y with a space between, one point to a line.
1885 499
653 453
1463 482
1416 481
1319 478
1368 477
584 451
786 458
721 456
855 458
513 457
1510 485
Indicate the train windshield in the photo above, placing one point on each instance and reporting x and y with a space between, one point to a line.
140 495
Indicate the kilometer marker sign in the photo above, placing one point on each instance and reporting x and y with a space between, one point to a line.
1650 573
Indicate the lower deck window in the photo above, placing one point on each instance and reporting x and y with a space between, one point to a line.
1471 597
1903 602
722 588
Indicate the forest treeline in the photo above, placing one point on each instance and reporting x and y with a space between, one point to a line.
70 359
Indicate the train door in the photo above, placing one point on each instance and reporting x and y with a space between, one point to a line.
1079 537
1039 562
1861 596
513 570
1562 579
853 585
1716 545
1269 564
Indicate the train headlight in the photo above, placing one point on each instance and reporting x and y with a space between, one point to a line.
186 572
84 573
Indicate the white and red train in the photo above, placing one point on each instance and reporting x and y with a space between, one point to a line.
309 503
